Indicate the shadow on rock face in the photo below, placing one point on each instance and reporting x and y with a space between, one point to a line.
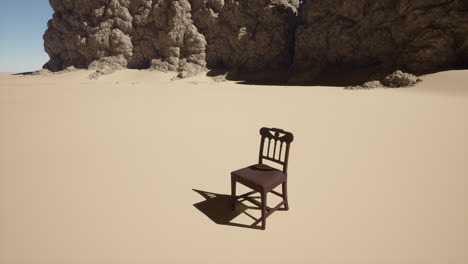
332 76
215 72
353 77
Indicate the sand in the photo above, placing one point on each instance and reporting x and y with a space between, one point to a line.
103 171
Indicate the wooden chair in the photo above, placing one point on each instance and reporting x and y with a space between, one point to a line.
263 178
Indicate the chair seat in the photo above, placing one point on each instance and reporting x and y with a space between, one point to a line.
259 177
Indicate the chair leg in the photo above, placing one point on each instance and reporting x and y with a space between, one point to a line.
285 195
233 194
264 203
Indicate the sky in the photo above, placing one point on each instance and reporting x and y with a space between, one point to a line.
22 25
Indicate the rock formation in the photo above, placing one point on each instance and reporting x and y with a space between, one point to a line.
302 38
400 79
247 35
396 79
417 36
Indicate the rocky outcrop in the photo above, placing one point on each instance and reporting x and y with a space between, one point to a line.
366 86
400 79
417 36
165 37
81 32
247 35
107 65
138 31
302 38
172 35
397 79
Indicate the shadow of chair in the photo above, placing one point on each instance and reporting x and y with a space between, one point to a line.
217 207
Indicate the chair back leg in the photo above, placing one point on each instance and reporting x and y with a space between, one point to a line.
233 194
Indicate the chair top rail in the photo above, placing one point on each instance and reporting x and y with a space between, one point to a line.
276 134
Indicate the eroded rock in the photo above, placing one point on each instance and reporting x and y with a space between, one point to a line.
82 31
400 79
174 35
396 79
247 35
415 36
302 38
107 65
366 86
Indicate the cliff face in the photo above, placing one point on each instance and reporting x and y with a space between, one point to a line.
418 36
176 35
259 35
249 35
141 31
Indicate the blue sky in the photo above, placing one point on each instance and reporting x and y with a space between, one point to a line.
22 24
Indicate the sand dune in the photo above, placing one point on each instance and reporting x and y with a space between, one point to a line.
103 171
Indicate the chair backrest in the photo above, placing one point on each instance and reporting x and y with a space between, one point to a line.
274 141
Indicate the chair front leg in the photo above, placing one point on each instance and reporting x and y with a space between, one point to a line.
285 195
263 205
233 194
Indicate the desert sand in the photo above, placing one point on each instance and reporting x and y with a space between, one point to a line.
104 171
